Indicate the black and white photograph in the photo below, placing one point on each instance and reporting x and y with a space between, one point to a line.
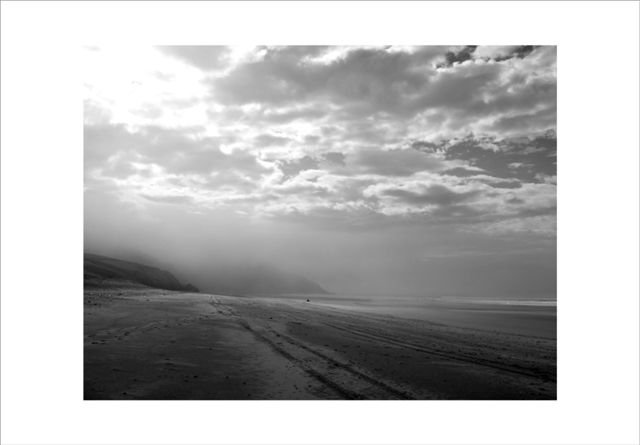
320 222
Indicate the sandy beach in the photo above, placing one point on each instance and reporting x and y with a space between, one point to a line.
150 344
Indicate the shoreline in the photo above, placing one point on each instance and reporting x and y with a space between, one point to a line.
147 344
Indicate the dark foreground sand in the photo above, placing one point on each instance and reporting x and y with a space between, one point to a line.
143 343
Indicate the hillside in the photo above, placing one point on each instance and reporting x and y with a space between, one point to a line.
255 279
98 268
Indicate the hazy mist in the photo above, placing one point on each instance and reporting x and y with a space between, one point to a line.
396 171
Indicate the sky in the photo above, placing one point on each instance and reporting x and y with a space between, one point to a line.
393 170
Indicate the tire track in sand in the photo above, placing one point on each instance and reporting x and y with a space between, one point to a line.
398 393
514 369
342 378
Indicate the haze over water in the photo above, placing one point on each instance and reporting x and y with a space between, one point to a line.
524 316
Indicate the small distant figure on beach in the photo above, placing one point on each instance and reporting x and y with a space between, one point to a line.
307 300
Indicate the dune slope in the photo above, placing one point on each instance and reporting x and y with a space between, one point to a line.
98 268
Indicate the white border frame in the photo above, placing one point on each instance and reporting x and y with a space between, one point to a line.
42 222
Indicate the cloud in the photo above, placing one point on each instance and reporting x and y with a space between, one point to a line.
363 78
338 133
169 199
172 150
515 201
266 140
462 55
501 53
510 184
330 159
335 158
536 152
399 162
540 224
203 57
433 195
292 168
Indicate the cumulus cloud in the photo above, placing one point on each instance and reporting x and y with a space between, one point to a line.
371 77
334 138
331 121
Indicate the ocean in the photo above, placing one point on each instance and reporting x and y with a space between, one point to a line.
523 316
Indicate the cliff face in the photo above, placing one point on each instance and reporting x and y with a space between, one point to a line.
98 268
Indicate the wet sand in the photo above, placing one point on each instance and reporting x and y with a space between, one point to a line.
149 344
515 317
